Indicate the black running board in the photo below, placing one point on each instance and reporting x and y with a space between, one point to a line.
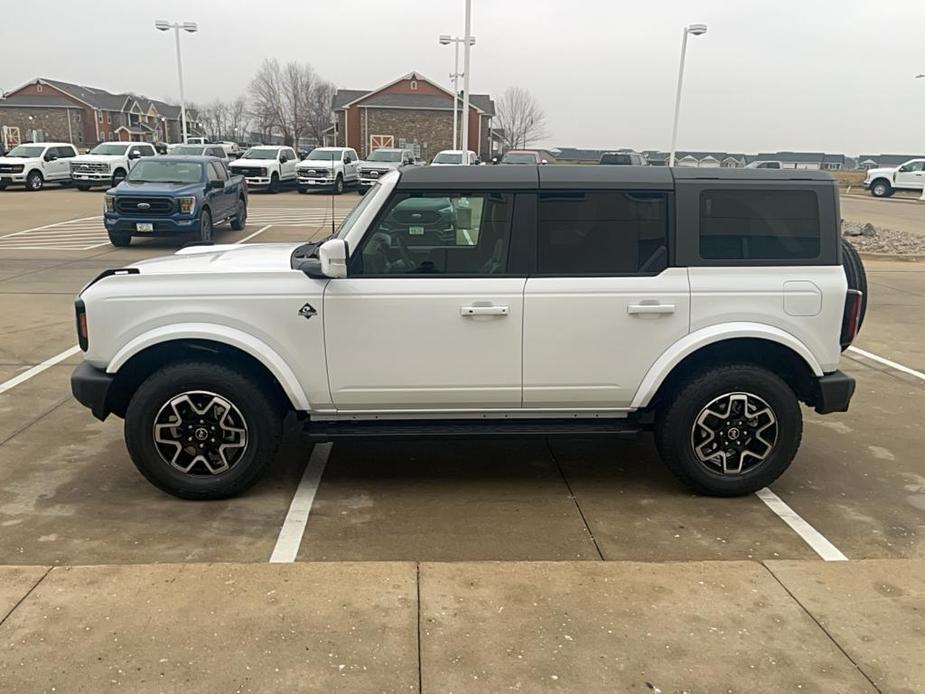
469 428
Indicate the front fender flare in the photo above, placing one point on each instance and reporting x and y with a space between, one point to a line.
671 357
218 333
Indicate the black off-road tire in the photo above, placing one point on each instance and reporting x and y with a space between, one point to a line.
239 221
35 181
262 416
338 185
274 183
881 188
855 274
205 226
676 419
119 240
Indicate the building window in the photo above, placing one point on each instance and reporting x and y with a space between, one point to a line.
38 88
414 85
108 117
99 116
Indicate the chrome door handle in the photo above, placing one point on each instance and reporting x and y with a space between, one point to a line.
484 310
636 309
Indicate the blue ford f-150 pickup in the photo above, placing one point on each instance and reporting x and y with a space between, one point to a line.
175 195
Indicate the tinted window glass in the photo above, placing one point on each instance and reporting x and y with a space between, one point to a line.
616 159
759 224
440 235
217 172
602 233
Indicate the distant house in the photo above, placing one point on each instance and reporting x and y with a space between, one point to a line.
46 109
577 155
876 161
411 111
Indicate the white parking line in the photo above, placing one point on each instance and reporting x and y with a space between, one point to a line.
290 535
808 533
259 231
37 369
887 362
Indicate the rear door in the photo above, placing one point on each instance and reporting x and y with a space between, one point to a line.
430 316
604 304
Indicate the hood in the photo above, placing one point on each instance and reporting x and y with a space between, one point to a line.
258 163
253 257
882 171
143 189
5 161
97 158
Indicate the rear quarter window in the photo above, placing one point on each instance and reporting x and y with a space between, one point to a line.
774 225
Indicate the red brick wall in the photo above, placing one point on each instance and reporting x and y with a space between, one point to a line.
88 115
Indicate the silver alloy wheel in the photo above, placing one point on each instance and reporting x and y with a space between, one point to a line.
200 433
880 190
734 433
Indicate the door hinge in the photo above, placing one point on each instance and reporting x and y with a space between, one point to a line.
307 311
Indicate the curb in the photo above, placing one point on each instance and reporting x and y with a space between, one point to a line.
911 258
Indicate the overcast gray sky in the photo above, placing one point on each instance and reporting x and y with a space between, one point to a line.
834 75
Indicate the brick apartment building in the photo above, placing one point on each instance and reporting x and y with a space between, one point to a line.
412 112
52 110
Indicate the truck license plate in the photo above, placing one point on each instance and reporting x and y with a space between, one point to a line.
140 226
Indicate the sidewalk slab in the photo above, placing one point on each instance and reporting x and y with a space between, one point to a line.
215 628
15 584
874 609
621 627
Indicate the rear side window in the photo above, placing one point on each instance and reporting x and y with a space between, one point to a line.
602 233
759 224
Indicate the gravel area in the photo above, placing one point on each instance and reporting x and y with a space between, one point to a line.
868 238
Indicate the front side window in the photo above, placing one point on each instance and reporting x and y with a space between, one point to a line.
438 234
759 225
217 172
912 166
602 233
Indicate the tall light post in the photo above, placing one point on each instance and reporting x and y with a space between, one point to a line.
445 40
191 27
468 41
696 30
918 77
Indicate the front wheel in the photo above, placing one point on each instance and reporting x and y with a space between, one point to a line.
119 240
881 189
730 430
274 183
82 187
338 185
205 226
199 430
239 221
34 181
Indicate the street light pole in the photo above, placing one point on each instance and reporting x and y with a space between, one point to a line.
191 27
465 107
918 77
696 30
455 93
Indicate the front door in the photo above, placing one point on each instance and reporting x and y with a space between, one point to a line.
430 315
911 174
603 305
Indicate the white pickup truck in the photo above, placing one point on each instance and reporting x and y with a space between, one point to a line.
35 164
909 176
328 167
267 167
108 163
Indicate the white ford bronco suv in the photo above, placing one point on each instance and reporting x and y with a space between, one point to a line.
470 301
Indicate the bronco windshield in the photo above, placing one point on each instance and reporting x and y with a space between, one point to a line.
109 149
255 153
153 171
385 155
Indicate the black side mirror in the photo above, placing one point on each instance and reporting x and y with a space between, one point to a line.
282 159
217 185
51 157
134 154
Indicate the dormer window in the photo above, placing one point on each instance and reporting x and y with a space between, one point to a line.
414 85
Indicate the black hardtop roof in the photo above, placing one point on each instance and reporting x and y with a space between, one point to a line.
586 177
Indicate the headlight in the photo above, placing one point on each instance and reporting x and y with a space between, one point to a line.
109 203
263 172
187 205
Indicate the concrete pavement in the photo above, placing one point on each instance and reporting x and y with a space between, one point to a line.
901 214
465 627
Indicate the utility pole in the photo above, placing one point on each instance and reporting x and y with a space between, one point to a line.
468 39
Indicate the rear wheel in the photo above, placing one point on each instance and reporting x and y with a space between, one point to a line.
205 226
881 188
35 180
119 240
730 430
239 221
198 430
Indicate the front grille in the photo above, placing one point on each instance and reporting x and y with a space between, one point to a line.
145 206
373 173
323 173
247 171
89 167
11 168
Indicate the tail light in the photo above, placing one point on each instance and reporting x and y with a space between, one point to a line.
851 318
83 336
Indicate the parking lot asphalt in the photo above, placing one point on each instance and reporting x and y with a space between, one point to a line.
900 213
69 495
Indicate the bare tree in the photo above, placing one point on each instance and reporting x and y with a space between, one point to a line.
320 109
292 100
238 118
267 98
520 118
